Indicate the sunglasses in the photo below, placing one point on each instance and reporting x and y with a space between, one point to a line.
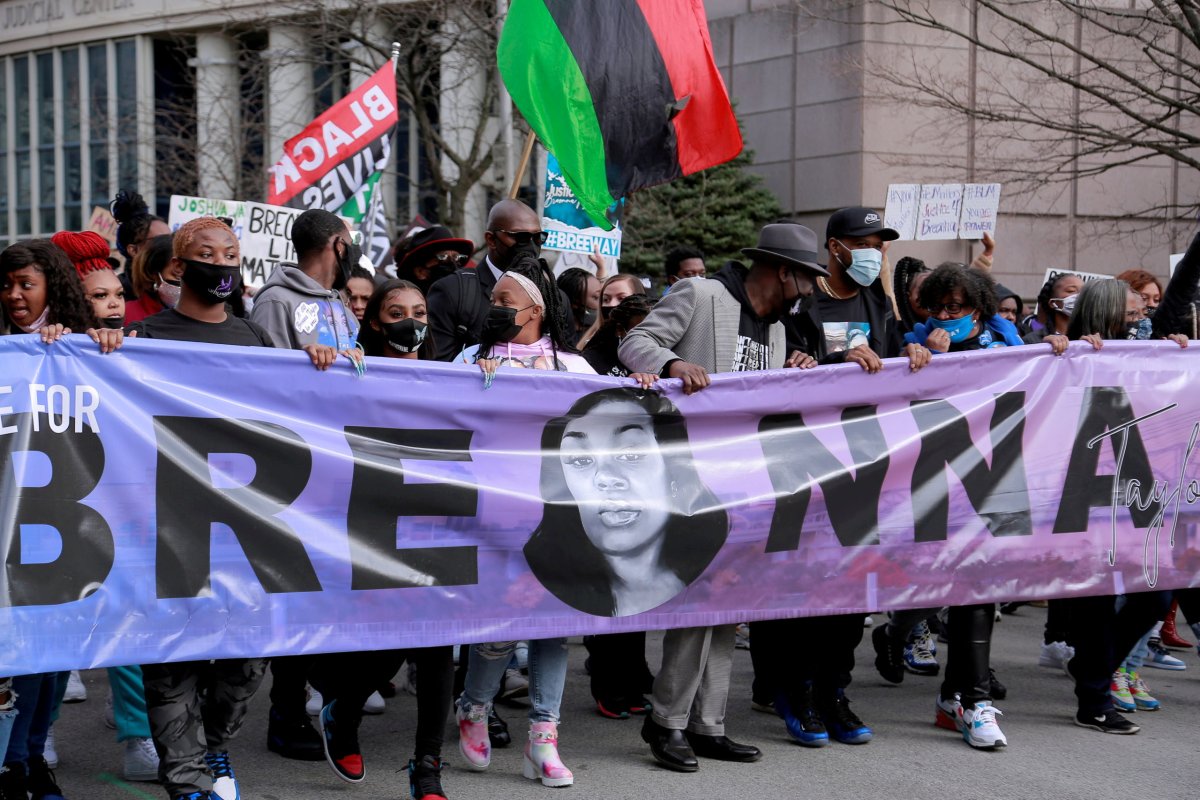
456 259
525 237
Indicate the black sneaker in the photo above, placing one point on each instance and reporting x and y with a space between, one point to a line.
341 747
889 655
294 737
42 785
425 779
1108 722
997 689
498 730
842 723
801 720
14 783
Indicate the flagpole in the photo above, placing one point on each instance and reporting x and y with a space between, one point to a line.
395 55
530 139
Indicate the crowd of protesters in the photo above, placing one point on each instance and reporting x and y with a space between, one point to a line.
799 300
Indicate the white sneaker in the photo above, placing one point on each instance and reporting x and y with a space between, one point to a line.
949 714
980 728
76 691
374 704
141 760
406 680
1056 655
868 621
741 637
315 702
50 752
515 685
110 721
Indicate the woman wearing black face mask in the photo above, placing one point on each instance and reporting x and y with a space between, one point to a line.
582 289
395 323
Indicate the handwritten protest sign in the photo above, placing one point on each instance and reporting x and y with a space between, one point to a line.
900 213
980 206
940 207
569 227
104 224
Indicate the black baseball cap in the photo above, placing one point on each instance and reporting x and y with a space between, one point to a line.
857 221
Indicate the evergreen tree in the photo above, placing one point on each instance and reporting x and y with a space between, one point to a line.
719 210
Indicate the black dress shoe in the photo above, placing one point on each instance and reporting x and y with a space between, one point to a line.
498 730
722 748
670 748
294 737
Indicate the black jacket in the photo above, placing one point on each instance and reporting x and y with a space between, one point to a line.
1177 312
458 305
806 333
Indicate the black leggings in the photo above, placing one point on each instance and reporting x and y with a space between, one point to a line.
617 662
350 678
969 632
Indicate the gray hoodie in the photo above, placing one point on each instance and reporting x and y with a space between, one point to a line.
297 311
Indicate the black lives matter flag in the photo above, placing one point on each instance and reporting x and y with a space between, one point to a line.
336 162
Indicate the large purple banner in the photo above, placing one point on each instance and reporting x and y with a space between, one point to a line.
175 501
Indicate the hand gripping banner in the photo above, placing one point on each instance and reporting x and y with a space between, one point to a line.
180 501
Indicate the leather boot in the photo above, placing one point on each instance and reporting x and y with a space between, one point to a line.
1170 634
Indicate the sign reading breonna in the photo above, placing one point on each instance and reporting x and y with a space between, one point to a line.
179 501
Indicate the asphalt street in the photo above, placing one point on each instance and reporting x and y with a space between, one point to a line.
1047 756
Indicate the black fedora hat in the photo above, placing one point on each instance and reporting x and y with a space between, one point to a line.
790 243
430 241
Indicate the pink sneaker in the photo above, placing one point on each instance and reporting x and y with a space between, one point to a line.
541 757
473 736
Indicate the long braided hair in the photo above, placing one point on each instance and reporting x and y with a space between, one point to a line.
906 270
554 318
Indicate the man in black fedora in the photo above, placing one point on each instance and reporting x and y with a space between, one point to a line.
431 254
728 324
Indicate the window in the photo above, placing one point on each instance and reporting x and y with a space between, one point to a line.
23 166
127 122
72 169
97 113
3 151
46 222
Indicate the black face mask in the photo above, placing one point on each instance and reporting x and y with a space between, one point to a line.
405 336
586 317
501 324
531 248
112 323
212 283
346 261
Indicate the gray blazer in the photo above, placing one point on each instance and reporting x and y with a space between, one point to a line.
697 322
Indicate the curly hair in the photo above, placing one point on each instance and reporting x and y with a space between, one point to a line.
65 298
134 218
373 342
676 256
905 271
978 289
621 316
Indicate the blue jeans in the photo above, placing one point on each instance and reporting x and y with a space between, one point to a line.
35 700
8 714
547 675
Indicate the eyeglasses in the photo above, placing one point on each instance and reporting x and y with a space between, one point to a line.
457 259
949 308
525 237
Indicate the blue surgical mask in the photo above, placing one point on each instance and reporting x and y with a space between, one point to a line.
1140 330
865 265
959 329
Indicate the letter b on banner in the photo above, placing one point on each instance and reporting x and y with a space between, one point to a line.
76 461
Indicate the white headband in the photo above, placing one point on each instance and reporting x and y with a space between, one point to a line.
529 286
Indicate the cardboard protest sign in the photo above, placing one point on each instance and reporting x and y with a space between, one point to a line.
900 213
1175 259
1087 277
103 223
939 211
980 206
569 227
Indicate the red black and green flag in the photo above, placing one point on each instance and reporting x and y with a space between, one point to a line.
624 93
